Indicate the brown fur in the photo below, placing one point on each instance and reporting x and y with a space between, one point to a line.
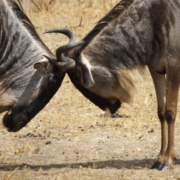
118 49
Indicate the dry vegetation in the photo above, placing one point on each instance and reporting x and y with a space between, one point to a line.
71 139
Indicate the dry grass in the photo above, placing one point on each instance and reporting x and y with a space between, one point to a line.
47 5
71 138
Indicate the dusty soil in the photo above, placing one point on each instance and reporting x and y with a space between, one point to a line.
73 139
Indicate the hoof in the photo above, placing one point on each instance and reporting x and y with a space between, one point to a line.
116 115
160 167
155 165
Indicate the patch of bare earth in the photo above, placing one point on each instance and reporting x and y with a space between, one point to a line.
73 139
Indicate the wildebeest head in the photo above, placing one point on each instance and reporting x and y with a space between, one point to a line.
28 77
90 79
79 74
29 93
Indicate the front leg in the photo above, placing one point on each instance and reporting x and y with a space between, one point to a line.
167 117
173 81
160 87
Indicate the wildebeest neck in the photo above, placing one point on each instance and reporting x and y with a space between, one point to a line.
126 40
113 14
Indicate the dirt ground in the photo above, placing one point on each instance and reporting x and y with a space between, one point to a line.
71 139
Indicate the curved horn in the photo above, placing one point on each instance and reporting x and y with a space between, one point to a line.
66 64
64 31
71 44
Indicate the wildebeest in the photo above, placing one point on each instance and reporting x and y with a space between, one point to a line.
27 79
114 54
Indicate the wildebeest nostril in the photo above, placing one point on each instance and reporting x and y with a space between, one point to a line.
18 126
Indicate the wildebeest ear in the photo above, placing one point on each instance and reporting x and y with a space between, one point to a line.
88 80
43 65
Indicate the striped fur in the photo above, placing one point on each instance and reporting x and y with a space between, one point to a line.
146 33
23 90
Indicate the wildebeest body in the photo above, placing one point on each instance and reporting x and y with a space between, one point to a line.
114 54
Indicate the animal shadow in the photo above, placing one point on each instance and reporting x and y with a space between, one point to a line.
118 164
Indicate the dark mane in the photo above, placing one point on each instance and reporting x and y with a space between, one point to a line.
19 12
114 13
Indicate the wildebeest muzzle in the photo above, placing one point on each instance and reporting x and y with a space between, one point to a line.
19 116
15 121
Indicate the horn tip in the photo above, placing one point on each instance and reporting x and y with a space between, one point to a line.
46 32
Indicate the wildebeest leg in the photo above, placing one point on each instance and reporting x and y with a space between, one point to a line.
173 81
160 87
